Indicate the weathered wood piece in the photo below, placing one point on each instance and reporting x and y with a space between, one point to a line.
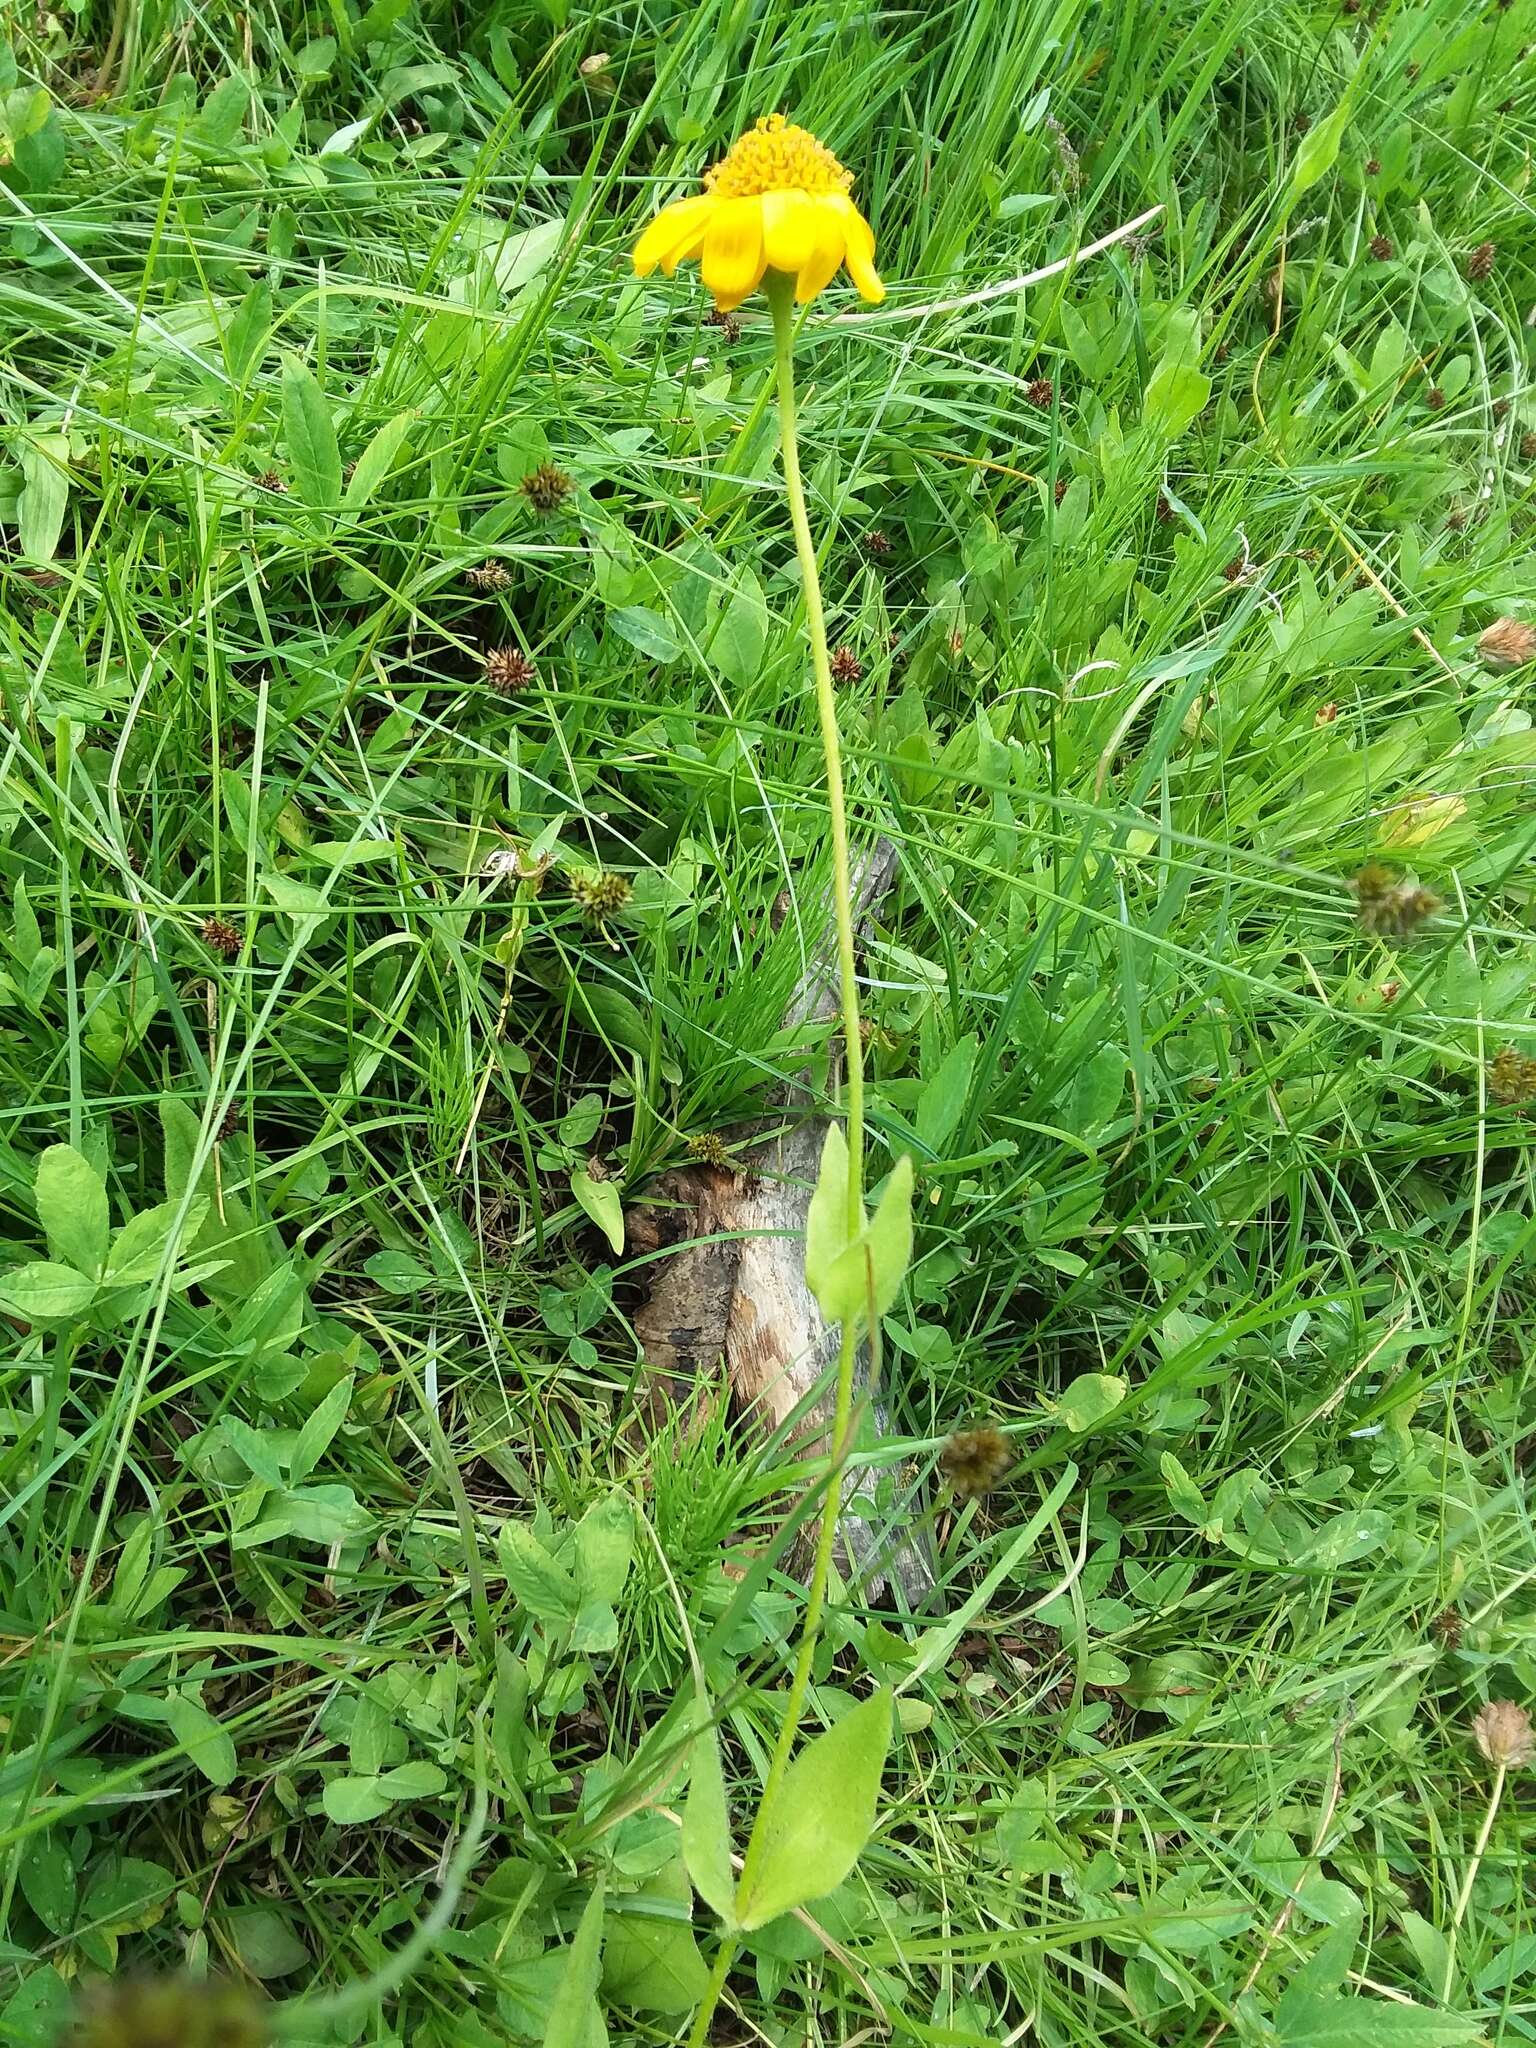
735 1282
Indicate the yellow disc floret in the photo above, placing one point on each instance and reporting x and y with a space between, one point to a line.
776 157
778 200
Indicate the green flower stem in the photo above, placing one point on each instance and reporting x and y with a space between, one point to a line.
780 291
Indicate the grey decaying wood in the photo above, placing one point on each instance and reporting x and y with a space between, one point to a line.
735 1282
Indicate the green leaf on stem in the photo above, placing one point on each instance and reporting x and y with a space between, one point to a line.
823 1814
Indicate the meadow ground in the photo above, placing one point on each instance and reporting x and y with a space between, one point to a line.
354 1594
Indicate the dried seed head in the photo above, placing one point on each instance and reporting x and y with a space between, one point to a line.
547 487
1326 714
1502 1732
1456 519
1301 124
728 323
1508 643
1060 490
1446 1629
229 1123
1434 398
846 666
1500 409
488 576
155 2012
271 480
708 1148
1041 392
876 545
974 1460
1373 167
601 895
1528 447
1383 248
1480 263
1389 905
509 671
1512 1078
220 936
1236 569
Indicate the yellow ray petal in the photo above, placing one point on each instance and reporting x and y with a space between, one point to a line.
789 230
860 253
667 238
820 266
733 262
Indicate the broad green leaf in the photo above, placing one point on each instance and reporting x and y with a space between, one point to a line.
1176 395
355 1799
888 1236
1346 1538
651 1961
524 255
324 1515
315 58
397 1272
142 1249
318 1430
1089 1398
1311 2019
605 1543
374 464
595 1631
304 906
572 2008
201 1738
942 1102
602 1202
1319 150
822 1815
49 1882
44 494
45 1292
845 1276
1184 1496
218 125
707 1828
826 1220
1096 1091
72 1206
259 1450
736 648
647 630
128 1896
265 1941
37 2014
538 1583
310 436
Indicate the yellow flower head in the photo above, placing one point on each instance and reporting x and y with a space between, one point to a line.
778 200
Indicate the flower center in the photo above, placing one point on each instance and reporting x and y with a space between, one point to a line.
775 157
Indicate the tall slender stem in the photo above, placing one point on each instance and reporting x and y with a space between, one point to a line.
780 291
1464 1896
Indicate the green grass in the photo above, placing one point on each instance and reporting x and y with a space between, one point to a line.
1219 1211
